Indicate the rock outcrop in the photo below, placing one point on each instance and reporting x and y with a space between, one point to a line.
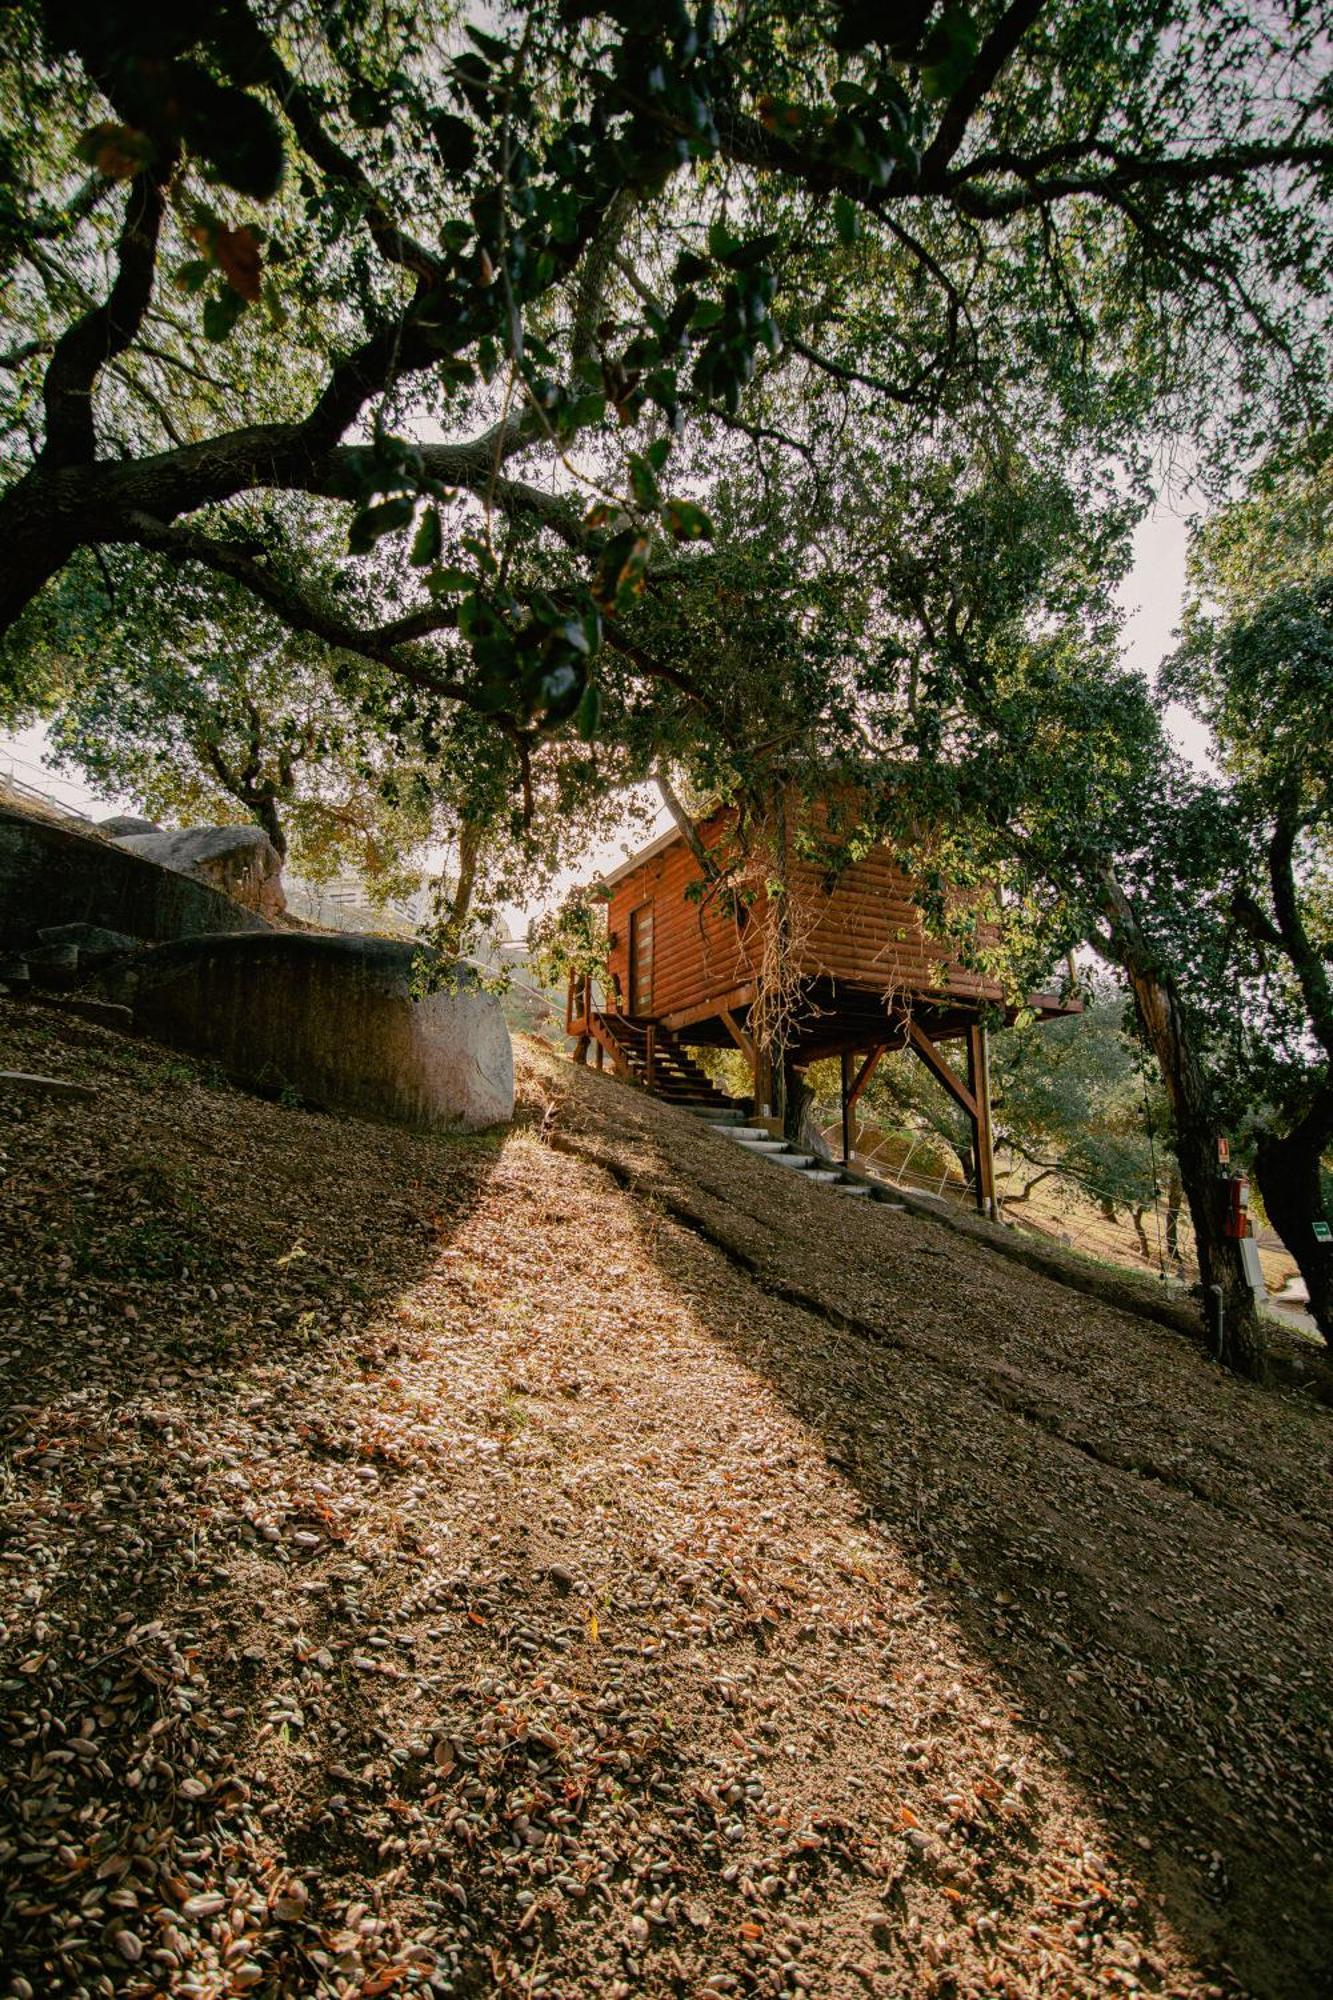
120 824
240 861
332 1020
52 876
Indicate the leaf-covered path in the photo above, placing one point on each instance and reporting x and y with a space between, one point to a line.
586 1562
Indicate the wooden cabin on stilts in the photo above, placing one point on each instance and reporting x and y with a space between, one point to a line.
688 956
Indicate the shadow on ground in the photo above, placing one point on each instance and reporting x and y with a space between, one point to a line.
1136 1546
199 1311
436 1562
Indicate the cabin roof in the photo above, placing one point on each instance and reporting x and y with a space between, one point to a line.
649 853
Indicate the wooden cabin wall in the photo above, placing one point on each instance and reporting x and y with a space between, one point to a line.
697 951
867 932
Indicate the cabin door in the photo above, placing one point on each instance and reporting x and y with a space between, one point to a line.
641 960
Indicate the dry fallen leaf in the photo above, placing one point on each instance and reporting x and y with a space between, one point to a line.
242 264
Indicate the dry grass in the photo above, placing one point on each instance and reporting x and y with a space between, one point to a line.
586 1561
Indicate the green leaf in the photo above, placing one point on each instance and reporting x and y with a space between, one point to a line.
622 572
846 219
221 313
372 522
583 412
491 47
721 242
427 541
444 582
589 712
643 481
685 522
948 53
689 268
484 555
455 141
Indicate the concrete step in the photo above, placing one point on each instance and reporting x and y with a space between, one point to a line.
854 1188
743 1132
798 1160
825 1175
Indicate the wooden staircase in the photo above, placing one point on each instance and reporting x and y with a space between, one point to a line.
648 1054
642 1052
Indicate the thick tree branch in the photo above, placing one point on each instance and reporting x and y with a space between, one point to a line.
301 612
1000 44
841 371
105 330
1162 171
265 66
1252 920
600 259
684 823
1309 967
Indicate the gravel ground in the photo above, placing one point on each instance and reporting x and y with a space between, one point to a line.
583 1561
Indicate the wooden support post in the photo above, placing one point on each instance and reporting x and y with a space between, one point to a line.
863 1076
650 1056
846 1107
763 1081
601 1056
983 1136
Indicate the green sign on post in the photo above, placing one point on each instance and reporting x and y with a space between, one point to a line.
1322 1232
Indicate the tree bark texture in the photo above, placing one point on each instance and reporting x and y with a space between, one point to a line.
1287 1165
1197 1131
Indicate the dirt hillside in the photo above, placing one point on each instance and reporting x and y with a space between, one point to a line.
585 1561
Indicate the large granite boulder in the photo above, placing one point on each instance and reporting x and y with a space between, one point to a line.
241 861
52 875
331 1019
120 824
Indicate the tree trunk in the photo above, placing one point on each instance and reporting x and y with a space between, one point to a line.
1287 1170
1287 1166
265 810
684 824
1157 1004
798 1119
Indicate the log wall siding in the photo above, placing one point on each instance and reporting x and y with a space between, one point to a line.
867 933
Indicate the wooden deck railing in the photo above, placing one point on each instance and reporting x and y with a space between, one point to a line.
578 1004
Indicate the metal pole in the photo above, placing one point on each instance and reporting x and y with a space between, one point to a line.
846 1108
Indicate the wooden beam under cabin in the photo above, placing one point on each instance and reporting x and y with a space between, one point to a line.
744 1042
708 1010
864 1074
941 1070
